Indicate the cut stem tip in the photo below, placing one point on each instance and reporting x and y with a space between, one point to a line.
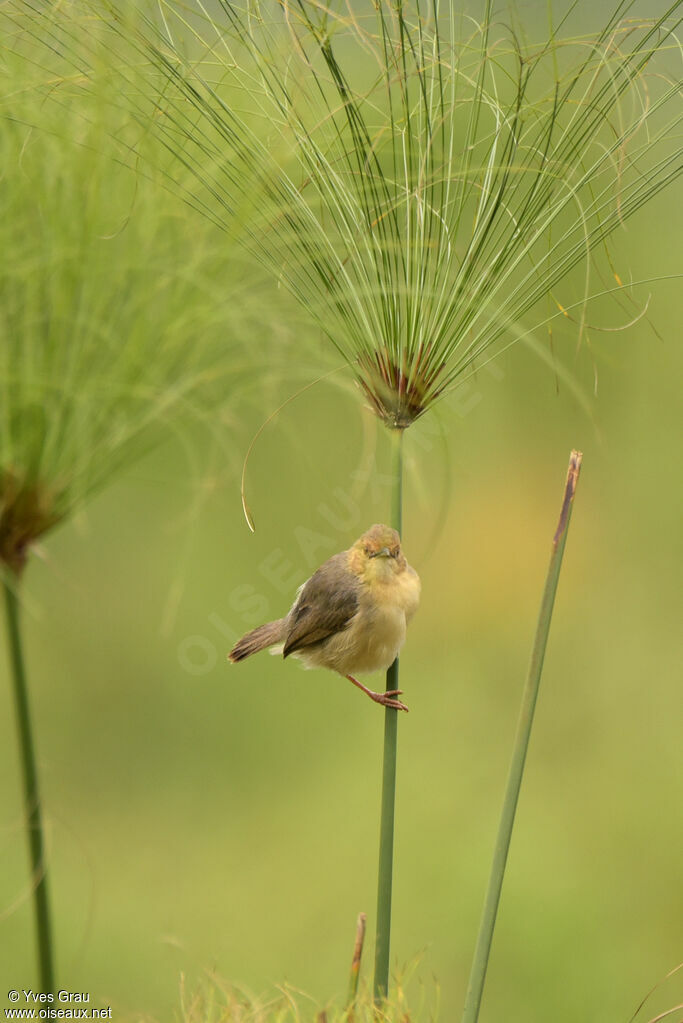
356 961
573 471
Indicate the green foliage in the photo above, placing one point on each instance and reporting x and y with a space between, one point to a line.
110 329
429 180
602 780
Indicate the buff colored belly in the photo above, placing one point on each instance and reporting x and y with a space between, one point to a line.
370 643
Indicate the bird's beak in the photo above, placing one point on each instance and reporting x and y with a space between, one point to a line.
383 553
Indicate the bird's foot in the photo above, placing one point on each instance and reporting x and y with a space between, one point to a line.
386 699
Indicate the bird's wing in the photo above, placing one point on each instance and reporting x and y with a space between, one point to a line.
326 604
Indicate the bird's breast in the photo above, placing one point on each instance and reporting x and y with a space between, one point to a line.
374 638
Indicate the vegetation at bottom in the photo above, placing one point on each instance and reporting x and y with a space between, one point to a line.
215 1001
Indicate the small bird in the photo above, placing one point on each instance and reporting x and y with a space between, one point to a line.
350 616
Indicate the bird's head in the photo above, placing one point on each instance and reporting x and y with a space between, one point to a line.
377 554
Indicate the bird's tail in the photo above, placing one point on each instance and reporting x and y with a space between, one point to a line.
258 639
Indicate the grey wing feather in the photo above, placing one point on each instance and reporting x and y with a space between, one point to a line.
326 605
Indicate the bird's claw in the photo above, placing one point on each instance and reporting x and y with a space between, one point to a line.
386 699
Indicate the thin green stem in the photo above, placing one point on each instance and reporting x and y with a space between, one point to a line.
386 834
31 797
526 717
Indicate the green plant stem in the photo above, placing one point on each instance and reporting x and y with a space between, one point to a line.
31 797
386 834
488 919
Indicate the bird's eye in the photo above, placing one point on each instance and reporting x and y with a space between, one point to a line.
394 553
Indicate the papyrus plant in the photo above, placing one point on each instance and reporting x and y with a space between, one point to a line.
426 183
430 180
107 339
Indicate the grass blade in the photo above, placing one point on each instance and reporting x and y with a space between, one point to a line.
526 717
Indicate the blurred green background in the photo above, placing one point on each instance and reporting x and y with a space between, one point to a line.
203 816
